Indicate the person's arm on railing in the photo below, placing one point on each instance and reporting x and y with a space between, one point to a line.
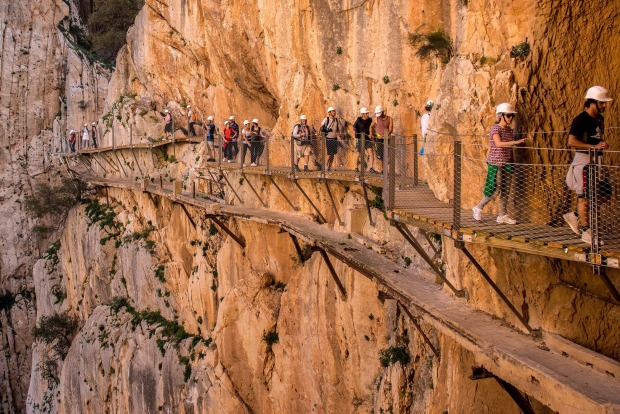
499 143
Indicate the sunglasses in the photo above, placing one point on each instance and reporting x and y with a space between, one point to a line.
509 115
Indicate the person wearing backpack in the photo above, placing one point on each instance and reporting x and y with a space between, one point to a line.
362 126
210 137
191 121
332 129
302 134
258 142
94 134
72 140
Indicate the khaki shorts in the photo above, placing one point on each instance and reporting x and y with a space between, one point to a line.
302 150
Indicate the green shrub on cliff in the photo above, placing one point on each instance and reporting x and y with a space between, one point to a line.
108 25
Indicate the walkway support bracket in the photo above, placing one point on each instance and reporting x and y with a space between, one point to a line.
412 240
300 254
365 191
524 405
230 185
416 323
191 220
224 227
318 212
282 193
602 273
332 271
253 189
461 246
331 197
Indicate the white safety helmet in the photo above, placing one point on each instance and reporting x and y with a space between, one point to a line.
166 111
303 118
72 131
226 122
188 106
505 108
85 125
430 102
378 109
364 111
598 93
255 121
210 118
331 108
94 123
246 122
232 118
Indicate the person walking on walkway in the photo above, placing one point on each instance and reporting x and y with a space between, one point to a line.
499 163
362 126
586 133
72 140
210 137
234 150
168 124
257 141
94 134
191 121
85 137
426 119
332 129
381 128
246 135
302 135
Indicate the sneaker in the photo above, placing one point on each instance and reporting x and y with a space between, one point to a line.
253 164
305 168
505 219
572 221
586 236
477 213
372 170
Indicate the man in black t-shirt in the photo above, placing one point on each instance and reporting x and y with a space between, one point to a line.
586 133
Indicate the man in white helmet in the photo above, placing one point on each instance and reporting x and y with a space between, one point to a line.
361 126
426 118
382 126
210 138
191 121
586 133
302 134
332 129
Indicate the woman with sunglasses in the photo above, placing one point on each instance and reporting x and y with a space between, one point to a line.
499 162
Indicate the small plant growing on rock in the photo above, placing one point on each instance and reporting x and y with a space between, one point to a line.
56 330
335 87
339 50
271 338
386 79
435 43
394 354
521 50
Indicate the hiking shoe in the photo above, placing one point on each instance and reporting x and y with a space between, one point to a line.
586 236
372 170
253 164
573 222
477 213
505 219
305 168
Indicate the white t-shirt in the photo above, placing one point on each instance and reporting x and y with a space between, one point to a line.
424 123
85 135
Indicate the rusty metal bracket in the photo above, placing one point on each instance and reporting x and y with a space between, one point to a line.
97 161
602 273
253 190
479 373
332 271
107 160
191 220
416 323
321 217
365 191
120 163
409 237
221 225
331 197
230 185
497 290
300 253
282 193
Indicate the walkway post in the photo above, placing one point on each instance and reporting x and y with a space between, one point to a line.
220 150
456 205
415 159
389 172
292 157
267 156
362 155
174 149
594 183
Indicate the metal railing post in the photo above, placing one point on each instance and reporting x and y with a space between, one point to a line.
362 157
220 149
174 149
593 199
415 159
113 139
401 156
389 173
456 205
267 166
292 156
324 153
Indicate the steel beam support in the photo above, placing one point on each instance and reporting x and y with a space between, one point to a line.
231 187
602 273
332 271
331 197
221 225
416 323
107 160
479 373
427 259
253 190
120 163
321 218
300 253
189 217
282 193
496 288
365 191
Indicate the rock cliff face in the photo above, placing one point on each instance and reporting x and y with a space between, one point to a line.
206 326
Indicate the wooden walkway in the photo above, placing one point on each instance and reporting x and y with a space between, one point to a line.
423 209
543 372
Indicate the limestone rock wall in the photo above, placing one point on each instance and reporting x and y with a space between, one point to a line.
46 87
